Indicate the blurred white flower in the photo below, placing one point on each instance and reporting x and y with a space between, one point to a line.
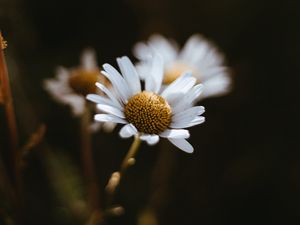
149 112
70 86
198 56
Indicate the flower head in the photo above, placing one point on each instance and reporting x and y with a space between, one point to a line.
198 56
71 85
149 112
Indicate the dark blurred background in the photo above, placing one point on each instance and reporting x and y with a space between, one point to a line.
245 168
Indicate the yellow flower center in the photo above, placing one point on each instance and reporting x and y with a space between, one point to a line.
83 81
175 70
148 112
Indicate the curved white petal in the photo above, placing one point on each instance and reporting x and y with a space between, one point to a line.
195 49
182 144
178 133
100 100
130 74
189 113
196 91
109 118
157 71
110 110
188 99
117 81
188 48
175 86
187 123
154 80
128 130
109 94
151 139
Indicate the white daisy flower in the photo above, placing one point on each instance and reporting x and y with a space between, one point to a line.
149 112
71 85
198 56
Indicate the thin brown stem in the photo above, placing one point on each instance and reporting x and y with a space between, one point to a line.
88 162
7 100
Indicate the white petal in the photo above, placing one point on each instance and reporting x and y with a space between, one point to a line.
188 99
176 86
181 91
180 133
88 59
154 79
194 49
62 74
182 144
157 72
111 110
195 92
143 69
149 83
56 88
77 103
189 113
216 86
189 47
117 81
109 126
59 86
130 74
128 130
187 123
151 139
212 72
210 57
109 94
185 87
167 48
100 100
109 118
142 51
